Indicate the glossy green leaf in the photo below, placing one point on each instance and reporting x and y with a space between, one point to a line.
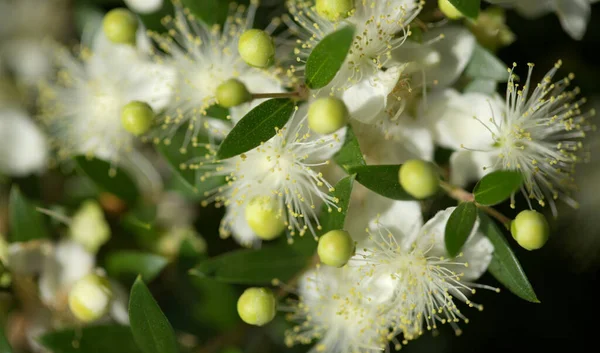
4 345
92 339
459 227
504 266
482 85
109 179
151 330
26 223
485 65
128 264
209 11
258 126
327 57
332 218
469 8
496 187
382 179
350 156
254 267
152 21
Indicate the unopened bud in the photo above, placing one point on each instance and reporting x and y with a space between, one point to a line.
449 10
335 248
120 26
327 115
530 229
137 117
264 216
90 298
335 10
257 48
257 306
419 178
232 93
89 227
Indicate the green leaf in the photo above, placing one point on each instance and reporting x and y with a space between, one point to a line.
254 267
4 345
496 187
504 266
152 21
327 57
258 126
123 264
469 8
26 223
482 85
151 330
109 179
92 339
336 218
459 227
382 179
210 11
485 65
350 155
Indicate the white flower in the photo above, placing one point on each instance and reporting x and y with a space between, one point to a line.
424 282
537 131
82 109
285 169
336 310
144 6
203 58
574 15
23 147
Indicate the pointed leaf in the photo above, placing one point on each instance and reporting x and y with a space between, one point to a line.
327 57
459 227
382 179
258 126
4 345
123 264
152 21
26 223
336 218
469 8
93 339
482 85
485 65
350 155
504 266
496 187
210 12
151 330
108 178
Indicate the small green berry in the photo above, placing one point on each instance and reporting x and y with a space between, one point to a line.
449 10
335 248
327 115
420 179
137 117
257 306
530 229
264 218
257 48
120 26
232 93
334 10
90 297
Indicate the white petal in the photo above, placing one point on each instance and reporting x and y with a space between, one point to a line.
28 58
533 9
119 304
23 147
470 166
477 253
574 16
240 230
144 6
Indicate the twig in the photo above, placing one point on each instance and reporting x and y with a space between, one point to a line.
462 195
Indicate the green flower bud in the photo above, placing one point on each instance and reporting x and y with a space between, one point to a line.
449 10
232 93
265 218
335 248
3 249
120 26
89 227
327 115
257 48
334 10
137 117
257 306
491 30
530 229
420 179
90 297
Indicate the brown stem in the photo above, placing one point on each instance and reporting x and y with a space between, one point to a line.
276 95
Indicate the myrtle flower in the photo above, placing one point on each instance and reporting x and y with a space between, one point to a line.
204 57
82 108
424 284
537 131
23 147
285 170
338 312
369 74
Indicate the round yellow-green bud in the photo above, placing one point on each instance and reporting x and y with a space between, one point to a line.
232 93
530 229
327 115
257 306
335 248
419 178
90 297
120 26
264 218
334 10
136 117
89 227
257 48
449 10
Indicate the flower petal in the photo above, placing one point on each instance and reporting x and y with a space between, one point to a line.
144 6
574 16
470 166
23 147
